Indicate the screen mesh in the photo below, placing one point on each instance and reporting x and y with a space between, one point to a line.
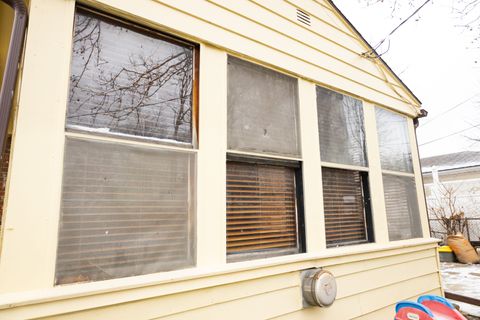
262 109
401 202
341 128
125 211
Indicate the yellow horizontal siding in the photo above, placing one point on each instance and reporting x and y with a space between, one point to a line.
366 284
265 306
256 30
368 302
329 47
262 35
389 311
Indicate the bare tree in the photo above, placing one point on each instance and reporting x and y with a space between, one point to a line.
445 209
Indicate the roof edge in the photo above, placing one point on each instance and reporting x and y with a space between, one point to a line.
374 51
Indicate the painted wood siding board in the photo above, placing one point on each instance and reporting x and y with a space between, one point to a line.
163 302
64 299
196 23
327 34
259 307
321 37
356 283
389 311
169 305
233 21
324 25
367 302
366 265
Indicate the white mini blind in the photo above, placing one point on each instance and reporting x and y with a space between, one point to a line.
394 142
125 211
401 203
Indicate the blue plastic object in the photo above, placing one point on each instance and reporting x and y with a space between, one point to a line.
415 305
435 298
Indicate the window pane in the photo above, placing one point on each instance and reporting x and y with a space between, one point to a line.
343 199
395 151
125 211
341 128
402 207
126 82
261 209
262 109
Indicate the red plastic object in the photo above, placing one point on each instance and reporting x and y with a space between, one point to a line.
442 312
408 313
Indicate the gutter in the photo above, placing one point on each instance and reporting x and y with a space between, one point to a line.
12 64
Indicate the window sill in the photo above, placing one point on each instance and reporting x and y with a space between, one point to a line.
154 285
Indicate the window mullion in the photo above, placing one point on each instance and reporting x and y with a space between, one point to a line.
211 169
422 205
375 175
312 172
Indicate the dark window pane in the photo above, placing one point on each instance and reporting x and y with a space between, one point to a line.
401 202
125 211
341 128
393 137
343 198
262 109
129 83
261 209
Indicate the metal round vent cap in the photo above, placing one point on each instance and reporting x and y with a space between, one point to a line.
320 288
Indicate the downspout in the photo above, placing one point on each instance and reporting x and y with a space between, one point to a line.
11 69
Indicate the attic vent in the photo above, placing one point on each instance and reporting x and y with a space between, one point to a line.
303 17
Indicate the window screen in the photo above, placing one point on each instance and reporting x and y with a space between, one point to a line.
402 207
125 211
341 128
344 194
261 209
128 82
262 109
395 150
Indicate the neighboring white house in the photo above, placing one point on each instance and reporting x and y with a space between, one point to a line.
459 172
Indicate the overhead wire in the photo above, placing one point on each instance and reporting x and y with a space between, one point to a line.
448 110
396 28
449 135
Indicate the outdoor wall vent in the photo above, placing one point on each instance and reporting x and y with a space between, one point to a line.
303 17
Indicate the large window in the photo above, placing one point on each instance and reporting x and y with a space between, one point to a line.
344 169
264 203
398 178
127 207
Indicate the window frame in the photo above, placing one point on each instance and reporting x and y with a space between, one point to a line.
364 174
275 159
159 35
141 142
397 173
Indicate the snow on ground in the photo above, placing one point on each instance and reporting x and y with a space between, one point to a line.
463 279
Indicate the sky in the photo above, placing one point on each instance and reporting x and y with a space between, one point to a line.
435 58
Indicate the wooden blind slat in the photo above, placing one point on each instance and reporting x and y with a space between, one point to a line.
261 207
344 206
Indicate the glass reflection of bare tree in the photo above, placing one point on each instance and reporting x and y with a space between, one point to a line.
355 130
140 87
